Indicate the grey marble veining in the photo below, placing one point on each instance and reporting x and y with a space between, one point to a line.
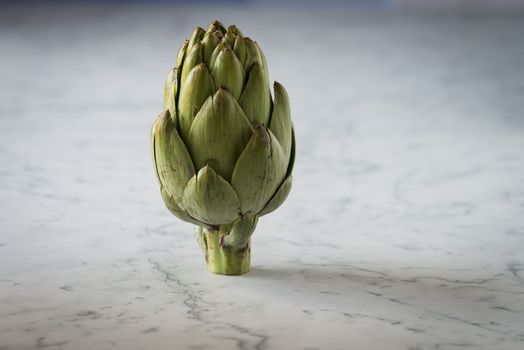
404 228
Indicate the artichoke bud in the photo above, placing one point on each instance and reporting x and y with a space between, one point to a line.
223 149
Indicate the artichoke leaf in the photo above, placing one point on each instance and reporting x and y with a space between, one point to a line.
219 133
234 29
230 38
279 197
209 43
210 199
216 25
259 171
264 61
175 209
240 233
280 123
197 35
198 87
193 58
255 100
283 191
228 72
240 49
252 54
170 91
181 55
152 139
212 59
172 161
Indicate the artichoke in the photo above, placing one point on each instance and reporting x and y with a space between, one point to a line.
223 148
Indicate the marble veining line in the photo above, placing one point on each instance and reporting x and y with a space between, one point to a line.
41 344
382 276
192 302
398 191
260 345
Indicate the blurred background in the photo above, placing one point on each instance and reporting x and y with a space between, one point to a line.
82 82
409 118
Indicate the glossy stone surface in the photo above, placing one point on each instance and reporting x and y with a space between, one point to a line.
404 228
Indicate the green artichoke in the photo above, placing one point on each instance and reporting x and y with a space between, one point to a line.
223 148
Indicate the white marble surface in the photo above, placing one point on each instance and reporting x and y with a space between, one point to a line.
404 228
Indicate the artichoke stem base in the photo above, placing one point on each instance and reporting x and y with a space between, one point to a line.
224 260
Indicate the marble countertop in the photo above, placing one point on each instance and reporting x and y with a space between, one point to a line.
404 228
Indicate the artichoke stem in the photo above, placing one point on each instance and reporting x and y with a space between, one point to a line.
224 260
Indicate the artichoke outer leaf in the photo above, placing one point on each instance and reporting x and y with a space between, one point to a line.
181 55
198 87
259 171
152 139
193 58
170 91
264 61
219 133
280 123
228 72
252 53
240 233
256 100
279 197
284 189
210 199
291 164
197 35
175 209
172 161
